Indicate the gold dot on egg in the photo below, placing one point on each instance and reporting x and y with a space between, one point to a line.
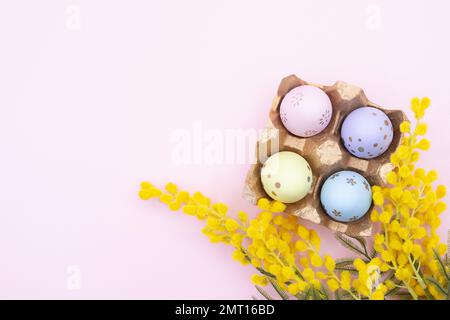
350 138
278 185
385 137
268 176
361 149
386 123
273 192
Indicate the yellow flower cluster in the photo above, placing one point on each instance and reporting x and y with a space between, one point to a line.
286 254
407 250
408 213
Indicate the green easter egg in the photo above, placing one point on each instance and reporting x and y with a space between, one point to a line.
286 176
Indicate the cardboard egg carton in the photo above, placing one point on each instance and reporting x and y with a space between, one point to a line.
324 152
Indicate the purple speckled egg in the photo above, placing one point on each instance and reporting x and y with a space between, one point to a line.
367 132
305 111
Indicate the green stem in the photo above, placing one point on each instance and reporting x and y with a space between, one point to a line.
411 291
416 273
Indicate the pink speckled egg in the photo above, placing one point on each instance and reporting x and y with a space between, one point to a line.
305 111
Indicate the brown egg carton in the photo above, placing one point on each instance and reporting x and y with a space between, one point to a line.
324 152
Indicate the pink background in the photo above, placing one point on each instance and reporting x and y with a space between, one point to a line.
87 110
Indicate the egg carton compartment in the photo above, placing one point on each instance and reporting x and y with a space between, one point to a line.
325 153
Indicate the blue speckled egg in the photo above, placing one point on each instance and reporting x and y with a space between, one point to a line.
367 132
346 196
